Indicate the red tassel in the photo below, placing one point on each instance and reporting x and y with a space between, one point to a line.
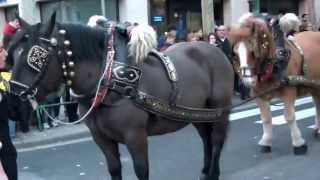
267 74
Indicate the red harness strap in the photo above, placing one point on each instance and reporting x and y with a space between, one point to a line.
267 73
103 90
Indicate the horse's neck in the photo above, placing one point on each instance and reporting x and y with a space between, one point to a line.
87 75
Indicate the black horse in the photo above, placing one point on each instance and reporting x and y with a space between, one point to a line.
49 54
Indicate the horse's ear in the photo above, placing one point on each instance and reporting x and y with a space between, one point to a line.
49 26
22 22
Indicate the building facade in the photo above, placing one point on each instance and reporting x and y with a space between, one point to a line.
185 15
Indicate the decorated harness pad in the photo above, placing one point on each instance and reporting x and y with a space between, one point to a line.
37 57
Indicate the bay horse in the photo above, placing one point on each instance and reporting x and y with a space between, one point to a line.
256 42
48 54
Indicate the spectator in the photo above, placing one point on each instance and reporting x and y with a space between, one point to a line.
212 39
199 35
167 39
9 30
305 23
225 45
8 153
191 37
223 41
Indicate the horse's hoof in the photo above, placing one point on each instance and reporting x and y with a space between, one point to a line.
300 150
265 149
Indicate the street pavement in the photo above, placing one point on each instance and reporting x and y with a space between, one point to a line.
68 152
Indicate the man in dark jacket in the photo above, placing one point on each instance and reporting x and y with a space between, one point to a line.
223 41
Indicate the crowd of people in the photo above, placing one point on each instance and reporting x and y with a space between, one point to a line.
219 38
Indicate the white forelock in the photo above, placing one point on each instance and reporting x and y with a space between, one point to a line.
289 22
92 22
143 40
244 17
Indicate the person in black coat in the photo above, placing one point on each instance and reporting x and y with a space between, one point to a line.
8 153
224 44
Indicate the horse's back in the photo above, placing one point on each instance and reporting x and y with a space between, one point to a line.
203 72
310 43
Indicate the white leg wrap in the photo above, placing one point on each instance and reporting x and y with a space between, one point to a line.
297 139
266 139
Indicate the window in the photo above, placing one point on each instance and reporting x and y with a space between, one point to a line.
77 11
10 12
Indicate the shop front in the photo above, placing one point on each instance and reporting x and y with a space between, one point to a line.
186 16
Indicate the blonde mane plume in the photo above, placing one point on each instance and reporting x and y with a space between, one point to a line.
289 22
143 40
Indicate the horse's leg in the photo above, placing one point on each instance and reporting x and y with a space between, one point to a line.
204 131
316 100
265 142
110 150
289 113
218 137
137 144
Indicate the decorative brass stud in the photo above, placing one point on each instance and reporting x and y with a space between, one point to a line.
62 31
69 82
53 41
71 74
66 42
69 53
71 64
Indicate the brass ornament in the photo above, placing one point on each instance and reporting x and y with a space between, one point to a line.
53 42
69 53
69 82
66 43
71 74
71 64
62 31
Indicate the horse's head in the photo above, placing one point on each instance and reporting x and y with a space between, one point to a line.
32 52
48 54
253 43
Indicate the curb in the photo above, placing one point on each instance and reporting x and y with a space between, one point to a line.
54 135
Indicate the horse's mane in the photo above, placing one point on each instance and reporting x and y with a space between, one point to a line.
86 42
143 39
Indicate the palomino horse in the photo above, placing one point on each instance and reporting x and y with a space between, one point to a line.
47 55
256 44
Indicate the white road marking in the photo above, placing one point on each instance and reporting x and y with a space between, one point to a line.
256 111
306 113
58 144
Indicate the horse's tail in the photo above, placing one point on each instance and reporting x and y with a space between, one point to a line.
289 23
143 39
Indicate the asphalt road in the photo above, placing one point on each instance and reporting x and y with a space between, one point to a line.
178 156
